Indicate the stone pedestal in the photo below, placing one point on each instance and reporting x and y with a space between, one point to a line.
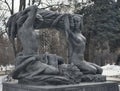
98 86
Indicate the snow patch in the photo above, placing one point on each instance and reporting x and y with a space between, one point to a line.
111 70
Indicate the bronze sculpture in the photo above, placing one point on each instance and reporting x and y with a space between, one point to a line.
44 69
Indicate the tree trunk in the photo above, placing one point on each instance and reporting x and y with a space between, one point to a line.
12 7
29 3
33 1
87 49
22 5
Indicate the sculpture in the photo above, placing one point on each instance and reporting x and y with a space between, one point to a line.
44 69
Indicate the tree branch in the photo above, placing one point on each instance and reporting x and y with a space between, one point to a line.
7 6
49 6
1 33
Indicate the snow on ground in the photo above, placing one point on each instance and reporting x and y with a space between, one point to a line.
111 70
1 80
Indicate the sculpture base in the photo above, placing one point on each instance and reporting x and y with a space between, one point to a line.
98 86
